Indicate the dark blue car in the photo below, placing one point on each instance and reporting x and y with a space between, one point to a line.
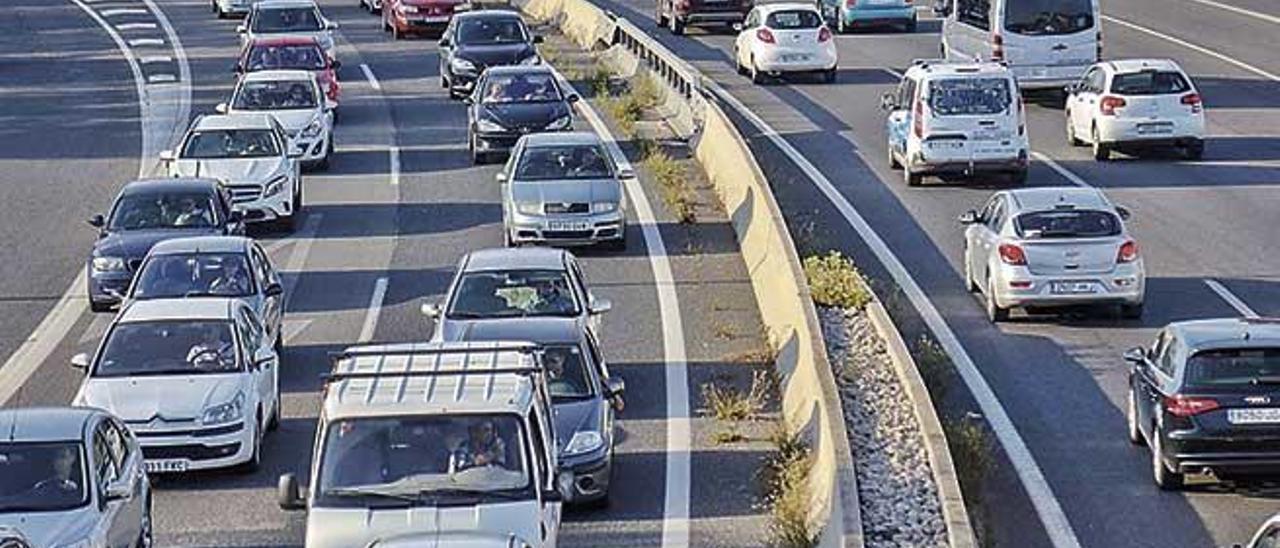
144 213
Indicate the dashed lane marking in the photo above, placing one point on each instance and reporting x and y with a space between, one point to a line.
375 309
136 26
123 11
138 42
368 74
1231 298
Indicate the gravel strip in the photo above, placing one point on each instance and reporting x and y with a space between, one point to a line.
899 501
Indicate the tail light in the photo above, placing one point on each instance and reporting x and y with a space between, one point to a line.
1128 252
765 36
824 34
1186 406
1012 254
1109 104
917 119
1099 37
1192 100
850 3
997 47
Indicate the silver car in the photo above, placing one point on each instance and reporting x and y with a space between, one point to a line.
563 188
1052 247
71 476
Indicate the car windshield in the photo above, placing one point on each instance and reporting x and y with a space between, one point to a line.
1048 17
520 88
503 30
1238 367
424 458
567 373
299 57
281 95
45 476
793 20
192 275
169 347
1149 82
1067 223
158 210
304 19
513 293
969 96
548 163
231 143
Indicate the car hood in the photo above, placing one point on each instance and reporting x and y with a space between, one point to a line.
134 244
346 527
530 116
574 415
172 397
293 120
570 191
50 528
231 170
492 55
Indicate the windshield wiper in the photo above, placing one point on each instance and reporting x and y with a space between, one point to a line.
370 492
502 494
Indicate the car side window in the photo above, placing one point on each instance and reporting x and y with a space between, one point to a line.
580 281
906 93
1097 81
103 462
995 217
261 267
1270 539
753 19
115 446
251 329
125 439
594 348
1161 355
975 13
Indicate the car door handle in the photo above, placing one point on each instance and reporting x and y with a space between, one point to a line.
1059 47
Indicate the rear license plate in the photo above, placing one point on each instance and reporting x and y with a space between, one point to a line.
1072 288
1155 128
562 226
795 58
946 145
1253 416
168 465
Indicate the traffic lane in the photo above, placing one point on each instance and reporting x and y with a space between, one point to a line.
1205 26
69 107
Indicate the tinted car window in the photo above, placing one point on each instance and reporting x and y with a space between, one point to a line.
520 88
1048 17
793 20
1233 367
969 96
155 210
1067 224
287 20
42 476
189 275
567 373
563 162
168 348
1149 82
282 95
234 143
515 293
300 57
975 13
490 31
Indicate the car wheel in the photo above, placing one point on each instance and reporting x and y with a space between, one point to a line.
911 25
737 63
1019 177
255 458
146 537
659 17
1101 151
273 423
995 312
893 160
1131 416
1194 150
969 284
1165 478
912 179
676 26
841 26
1071 133
757 77
386 25
395 33
829 76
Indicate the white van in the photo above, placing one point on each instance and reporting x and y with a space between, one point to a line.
1047 43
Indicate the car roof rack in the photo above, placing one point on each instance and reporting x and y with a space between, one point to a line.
413 352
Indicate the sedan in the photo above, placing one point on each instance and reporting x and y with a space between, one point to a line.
295 99
1136 103
1052 247
565 189
295 18
478 40
509 102
402 17
293 53
1205 397
71 477
146 212
784 38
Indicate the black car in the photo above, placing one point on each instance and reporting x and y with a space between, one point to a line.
144 213
1206 398
512 101
477 40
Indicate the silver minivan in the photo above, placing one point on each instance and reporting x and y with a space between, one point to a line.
1047 43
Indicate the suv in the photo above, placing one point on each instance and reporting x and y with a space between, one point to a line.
677 14
295 99
446 438
1047 43
957 118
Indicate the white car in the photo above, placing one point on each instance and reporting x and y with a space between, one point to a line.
275 18
295 99
196 380
250 154
1047 43
784 38
1136 102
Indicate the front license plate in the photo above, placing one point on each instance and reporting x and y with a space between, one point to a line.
1072 288
435 19
562 226
169 465
1253 416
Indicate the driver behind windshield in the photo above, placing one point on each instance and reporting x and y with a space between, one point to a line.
233 281
483 447
553 298
62 487
213 350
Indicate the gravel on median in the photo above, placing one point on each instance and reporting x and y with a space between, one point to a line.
898 498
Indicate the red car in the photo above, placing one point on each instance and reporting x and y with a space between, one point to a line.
297 53
401 17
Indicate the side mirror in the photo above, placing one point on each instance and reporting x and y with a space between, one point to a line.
969 217
600 306
1123 212
430 310
564 488
614 386
888 102
501 177
274 290
1136 355
626 173
537 38
573 98
120 489
80 361
97 221
167 156
242 29
444 43
221 108
942 8
237 68
737 27
288 495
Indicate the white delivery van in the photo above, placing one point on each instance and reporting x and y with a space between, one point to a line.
1047 43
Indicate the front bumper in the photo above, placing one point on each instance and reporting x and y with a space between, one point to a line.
1152 132
248 198
173 450
590 477
311 149
107 288
712 17
576 230
463 82
1125 285
419 22
503 141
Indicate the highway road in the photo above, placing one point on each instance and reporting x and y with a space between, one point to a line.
383 229
1207 230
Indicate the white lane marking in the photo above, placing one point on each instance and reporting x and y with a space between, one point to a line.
1230 297
675 514
298 260
1241 11
122 11
44 339
368 74
155 59
375 309
1075 179
1050 512
1193 47
184 75
161 78
394 153
136 26
292 328
136 42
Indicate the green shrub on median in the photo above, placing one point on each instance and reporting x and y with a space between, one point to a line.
834 281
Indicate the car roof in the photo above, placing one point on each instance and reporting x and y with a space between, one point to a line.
202 244
519 69
540 330
770 7
203 308
1228 333
35 424
1135 65
161 184
278 74
284 41
1038 199
488 13
524 258
944 67
558 138
268 4
238 120
451 378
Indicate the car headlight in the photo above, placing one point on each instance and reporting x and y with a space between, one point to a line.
108 264
560 123
584 441
274 187
604 207
529 208
489 126
224 413
531 60
461 65
314 128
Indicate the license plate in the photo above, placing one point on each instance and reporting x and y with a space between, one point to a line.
1155 128
169 465
435 19
795 58
563 226
1072 288
1253 416
946 145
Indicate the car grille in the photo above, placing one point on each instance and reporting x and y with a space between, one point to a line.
557 207
244 193
198 433
192 451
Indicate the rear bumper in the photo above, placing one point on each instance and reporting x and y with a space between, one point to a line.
1126 131
925 163
873 16
1223 457
1126 284
817 61
711 17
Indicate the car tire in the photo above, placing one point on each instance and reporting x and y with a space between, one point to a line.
255 458
676 26
1101 150
829 76
969 284
506 237
995 312
386 25
1131 419
757 77
658 17
893 160
1194 150
911 26
1072 138
619 244
1165 478
396 34
841 26
912 179
737 63
146 537
273 423
1131 311
95 306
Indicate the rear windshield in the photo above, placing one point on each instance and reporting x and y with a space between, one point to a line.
287 20
1073 223
1149 82
299 57
793 20
1233 367
1048 17
969 96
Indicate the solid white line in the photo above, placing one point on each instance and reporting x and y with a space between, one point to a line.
1052 518
1189 45
43 340
136 42
1075 179
394 154
368 74
1230 297
1247 13
375 309
136 26
123 11
675 515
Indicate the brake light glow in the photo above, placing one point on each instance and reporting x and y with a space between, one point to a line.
765 36
1109 104
997 47
1193 100
1012 254
850 3
917 119
824 34
1128 252
1186 406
